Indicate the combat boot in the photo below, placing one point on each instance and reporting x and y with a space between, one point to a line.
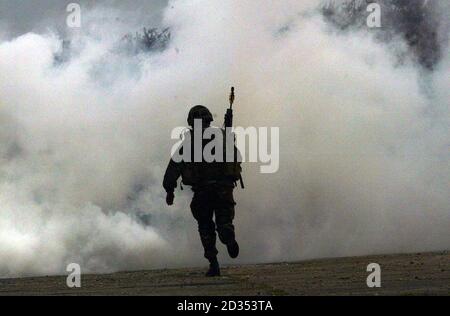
233 249
214 269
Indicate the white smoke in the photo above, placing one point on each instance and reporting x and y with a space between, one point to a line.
84 144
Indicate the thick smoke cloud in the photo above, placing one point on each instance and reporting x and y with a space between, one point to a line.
84 143
24 16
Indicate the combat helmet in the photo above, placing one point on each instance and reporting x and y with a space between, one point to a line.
200 112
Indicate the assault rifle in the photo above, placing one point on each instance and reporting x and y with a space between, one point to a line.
229 124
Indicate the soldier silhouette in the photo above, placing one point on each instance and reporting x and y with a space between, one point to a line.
213 183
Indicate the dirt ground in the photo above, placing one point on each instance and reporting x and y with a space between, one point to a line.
413 274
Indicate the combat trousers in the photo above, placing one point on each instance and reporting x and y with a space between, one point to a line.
209 203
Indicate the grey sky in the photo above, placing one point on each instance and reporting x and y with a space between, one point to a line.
21 16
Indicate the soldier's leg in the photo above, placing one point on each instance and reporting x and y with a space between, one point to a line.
225 211
203 213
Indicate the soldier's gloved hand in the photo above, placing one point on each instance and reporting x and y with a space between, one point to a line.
170 198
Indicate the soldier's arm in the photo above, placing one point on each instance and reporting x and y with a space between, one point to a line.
171 177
